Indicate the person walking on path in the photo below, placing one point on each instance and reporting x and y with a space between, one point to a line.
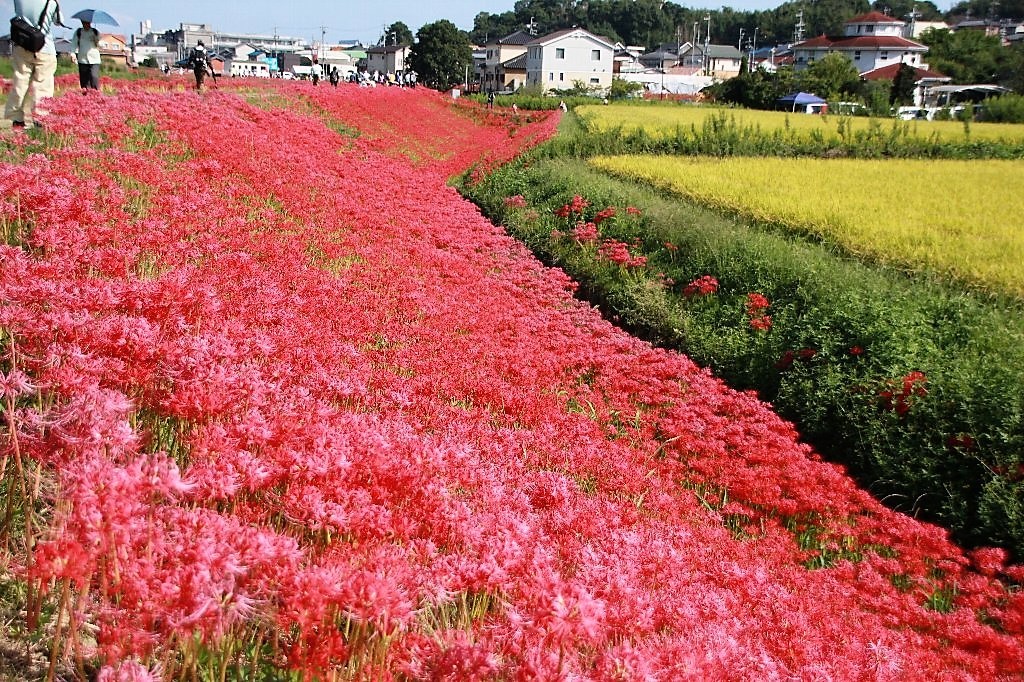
85 45
335 76
32 76
199 60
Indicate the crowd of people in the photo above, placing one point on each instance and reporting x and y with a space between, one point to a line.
34 67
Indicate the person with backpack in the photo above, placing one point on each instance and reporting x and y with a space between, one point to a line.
85 45
335 76
33 71
199 61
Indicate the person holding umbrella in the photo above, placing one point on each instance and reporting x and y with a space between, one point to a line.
32 77
85 46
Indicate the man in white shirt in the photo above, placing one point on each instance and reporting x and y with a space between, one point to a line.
85 45
32 79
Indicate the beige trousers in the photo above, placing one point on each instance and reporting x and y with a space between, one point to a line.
31 83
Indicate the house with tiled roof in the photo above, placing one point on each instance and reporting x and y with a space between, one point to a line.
924 80
871 41
720 61
114 46
505 64
561 59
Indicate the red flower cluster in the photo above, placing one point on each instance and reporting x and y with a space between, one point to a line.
788 357
604 215
586 233
898 397
574 207
515 201
702 286
618 253
262 410
756 306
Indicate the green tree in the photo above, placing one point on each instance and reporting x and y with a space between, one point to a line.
757 89
834 75
623 89
901 9
1011 72
398 34
487 27
903 85
441 55
966 56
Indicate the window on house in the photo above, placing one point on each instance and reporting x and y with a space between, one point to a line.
595 55
559 53
551 76
856 56
871 28
594 81
885 54
561 76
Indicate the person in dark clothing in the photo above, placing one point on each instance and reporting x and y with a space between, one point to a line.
199 60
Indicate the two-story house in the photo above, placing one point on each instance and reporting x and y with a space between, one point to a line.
559 60
871 41
504 66
387 59
719 61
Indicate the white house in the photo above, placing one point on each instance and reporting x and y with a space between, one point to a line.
387 59
558 60
871 41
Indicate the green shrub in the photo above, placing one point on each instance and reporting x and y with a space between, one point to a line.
1008 108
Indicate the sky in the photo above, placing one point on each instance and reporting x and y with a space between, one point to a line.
336 20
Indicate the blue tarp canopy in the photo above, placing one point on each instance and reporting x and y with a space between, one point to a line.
799 99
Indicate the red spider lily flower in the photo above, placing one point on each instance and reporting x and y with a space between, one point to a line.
702 286
516 201
586 233
989 561
604 215
756 304
786 361
960 441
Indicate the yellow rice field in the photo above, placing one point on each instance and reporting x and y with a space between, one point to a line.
960 218
663 121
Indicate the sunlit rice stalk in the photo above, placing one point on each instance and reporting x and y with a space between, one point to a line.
664 122
946 216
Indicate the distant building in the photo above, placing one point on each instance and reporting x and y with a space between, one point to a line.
387 59
558 60
871 41
719 61
504 66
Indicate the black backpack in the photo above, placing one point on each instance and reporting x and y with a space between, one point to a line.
199 60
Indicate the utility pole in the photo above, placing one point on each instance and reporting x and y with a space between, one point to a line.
753 49
798 32
707 42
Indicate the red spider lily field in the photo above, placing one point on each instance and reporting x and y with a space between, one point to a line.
278 403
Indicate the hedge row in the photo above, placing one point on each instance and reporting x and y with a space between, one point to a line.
914 383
